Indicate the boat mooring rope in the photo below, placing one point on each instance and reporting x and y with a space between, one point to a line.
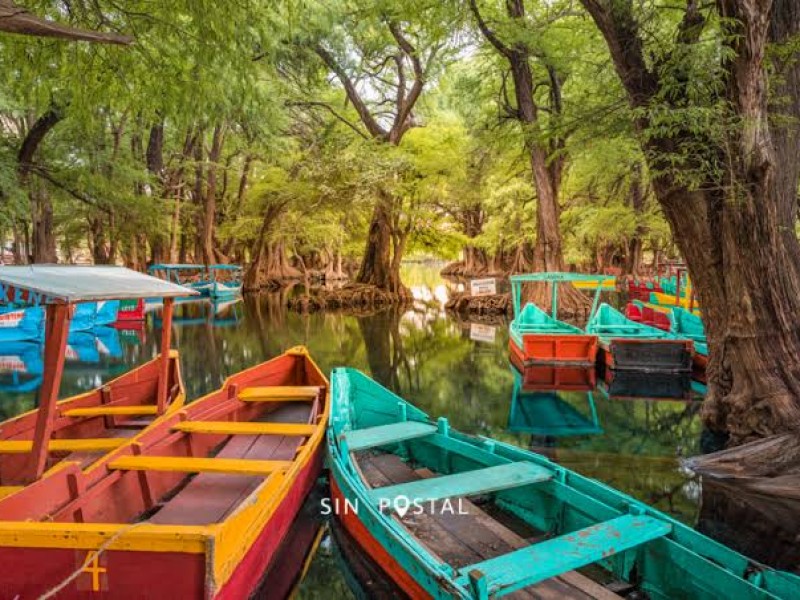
90 558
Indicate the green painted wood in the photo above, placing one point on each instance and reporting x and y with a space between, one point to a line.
468 483
528 566
372 437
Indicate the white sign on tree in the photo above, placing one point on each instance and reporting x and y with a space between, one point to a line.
483 287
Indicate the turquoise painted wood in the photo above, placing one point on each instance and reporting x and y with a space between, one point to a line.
668 560
528 566
468 483
387 434
688 325
547 413
609 323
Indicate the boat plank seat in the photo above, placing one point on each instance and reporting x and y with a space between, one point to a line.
211 497
536 563
279 393
64 445
382 435
242 428
112 411
233 466
465 539
467 483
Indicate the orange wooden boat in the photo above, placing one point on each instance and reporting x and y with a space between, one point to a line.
83 428
195 506
536 337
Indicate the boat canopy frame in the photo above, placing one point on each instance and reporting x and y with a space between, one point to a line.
554 278
190 267
59 288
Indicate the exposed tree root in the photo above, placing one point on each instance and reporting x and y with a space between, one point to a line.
461 269
769 466
351 296
466 305
572 303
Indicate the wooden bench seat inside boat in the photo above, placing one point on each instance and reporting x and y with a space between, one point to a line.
382 435
278 393
64 445
210 497
465 540
468 483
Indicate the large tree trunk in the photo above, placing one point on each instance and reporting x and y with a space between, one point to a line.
210 204
546 159
377 267
738 238
44 236
633 256
44 239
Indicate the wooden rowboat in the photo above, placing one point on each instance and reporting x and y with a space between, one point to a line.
448 515
536 337
625 344
195 506
85 427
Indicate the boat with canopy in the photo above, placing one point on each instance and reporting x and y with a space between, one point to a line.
536 337
81 429
215 281
196 505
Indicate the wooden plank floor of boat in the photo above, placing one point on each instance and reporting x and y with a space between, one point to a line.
462 540
210 497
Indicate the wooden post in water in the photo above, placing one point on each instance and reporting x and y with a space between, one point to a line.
55 343
166 334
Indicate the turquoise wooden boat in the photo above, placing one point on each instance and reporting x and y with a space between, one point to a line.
448 515
686 324
626 344
536 337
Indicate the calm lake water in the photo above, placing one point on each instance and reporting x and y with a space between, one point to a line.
444 366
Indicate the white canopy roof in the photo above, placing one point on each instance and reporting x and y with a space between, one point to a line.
66 284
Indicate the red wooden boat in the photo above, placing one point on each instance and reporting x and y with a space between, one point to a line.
83 428
195 506
131 310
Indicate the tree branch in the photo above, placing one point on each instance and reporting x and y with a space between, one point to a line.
366 117
487 32
331 110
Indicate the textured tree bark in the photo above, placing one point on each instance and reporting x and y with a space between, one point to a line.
210 204
736 234
43 238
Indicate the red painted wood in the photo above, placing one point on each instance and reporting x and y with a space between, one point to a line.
56 332
374 549
261 554
550 349
120 575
